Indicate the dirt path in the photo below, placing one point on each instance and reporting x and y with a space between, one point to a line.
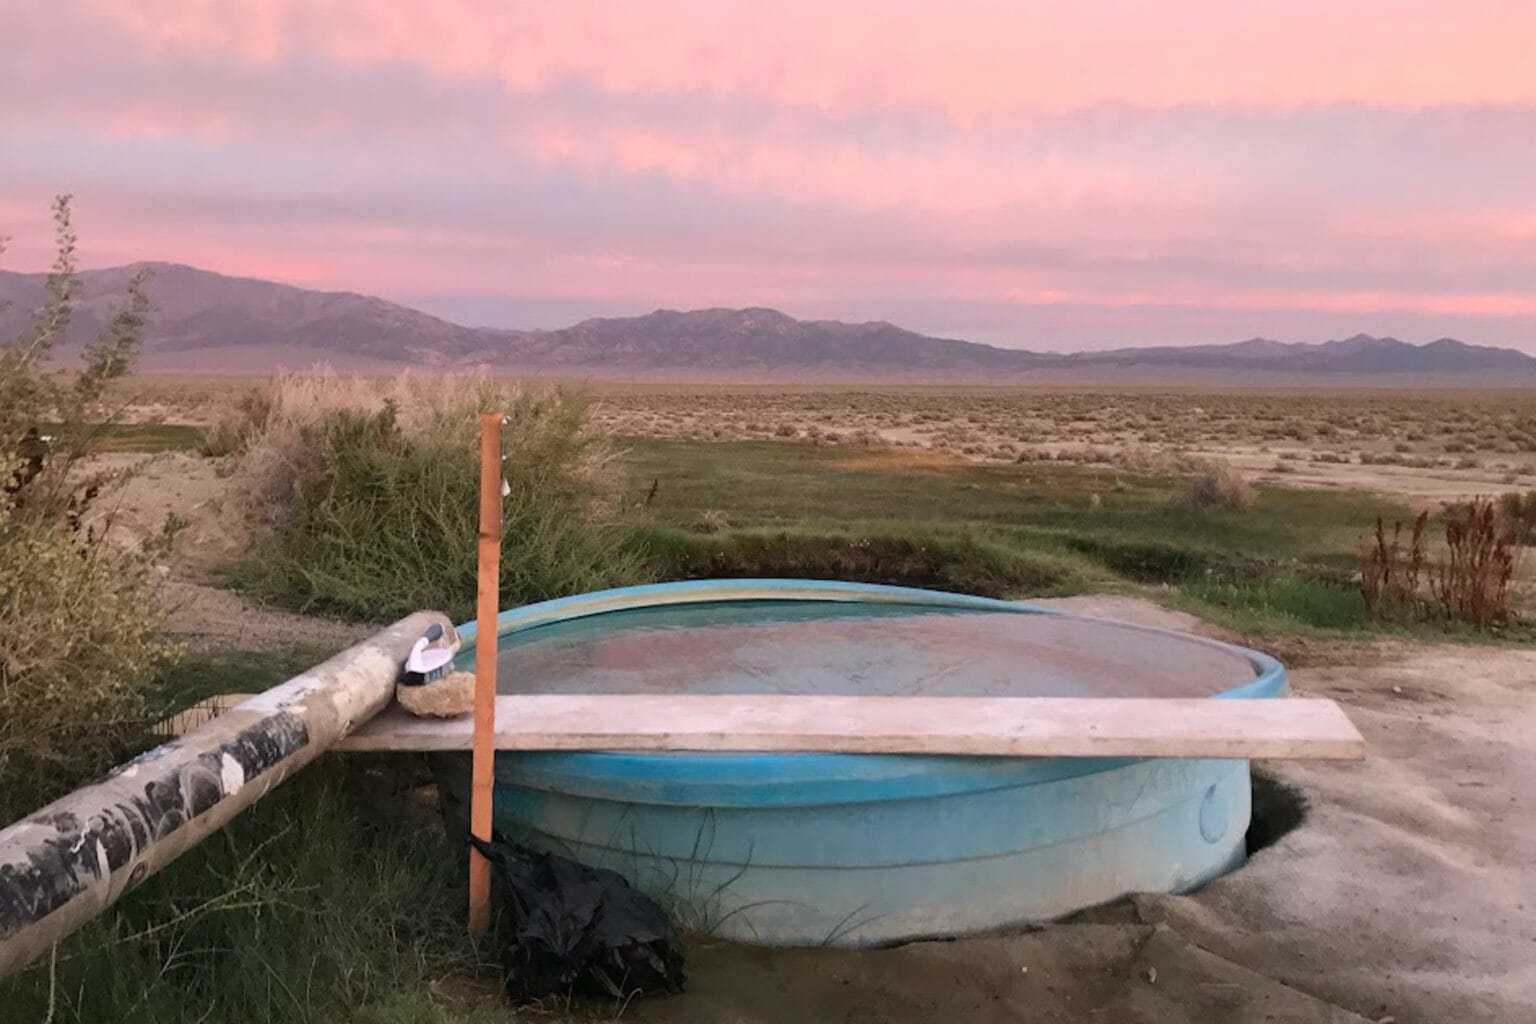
211 620
208 617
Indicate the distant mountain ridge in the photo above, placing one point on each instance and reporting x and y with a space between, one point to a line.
1362 353
208 322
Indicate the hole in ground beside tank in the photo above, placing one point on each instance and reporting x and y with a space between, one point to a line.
1278 807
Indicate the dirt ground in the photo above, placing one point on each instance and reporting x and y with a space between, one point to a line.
1406 894
209 618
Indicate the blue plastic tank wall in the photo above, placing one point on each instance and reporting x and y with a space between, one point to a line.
854 850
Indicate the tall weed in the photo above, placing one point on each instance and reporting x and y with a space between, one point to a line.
79 625
1470 580
1390 570
1473 581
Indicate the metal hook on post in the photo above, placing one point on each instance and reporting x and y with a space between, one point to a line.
506 488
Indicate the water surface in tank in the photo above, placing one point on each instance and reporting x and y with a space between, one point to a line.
819 647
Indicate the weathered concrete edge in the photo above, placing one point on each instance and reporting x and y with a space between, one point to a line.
69 861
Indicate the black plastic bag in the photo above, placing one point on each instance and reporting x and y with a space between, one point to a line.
567 928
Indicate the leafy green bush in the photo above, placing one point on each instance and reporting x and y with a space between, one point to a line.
377 520
80 644
79 626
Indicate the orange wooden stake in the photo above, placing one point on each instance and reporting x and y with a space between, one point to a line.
487 606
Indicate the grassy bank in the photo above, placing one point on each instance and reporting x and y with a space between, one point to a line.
384 523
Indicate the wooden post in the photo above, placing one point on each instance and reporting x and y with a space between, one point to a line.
488 605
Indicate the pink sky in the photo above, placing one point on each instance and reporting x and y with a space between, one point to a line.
1042 175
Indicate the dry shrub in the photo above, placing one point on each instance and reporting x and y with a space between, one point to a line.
229 435
712 521
273 430
1216 485
1472 584
1390 570
866 439
1520 510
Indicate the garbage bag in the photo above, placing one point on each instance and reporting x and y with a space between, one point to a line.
566 928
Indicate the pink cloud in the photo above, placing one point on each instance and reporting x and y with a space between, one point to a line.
969 60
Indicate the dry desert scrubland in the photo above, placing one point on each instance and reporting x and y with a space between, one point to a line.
1427 445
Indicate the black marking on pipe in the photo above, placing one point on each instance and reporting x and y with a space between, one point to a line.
83 847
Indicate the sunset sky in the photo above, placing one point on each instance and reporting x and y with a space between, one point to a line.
1043 175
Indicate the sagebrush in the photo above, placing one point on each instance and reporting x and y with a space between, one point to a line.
1216 485
1520 510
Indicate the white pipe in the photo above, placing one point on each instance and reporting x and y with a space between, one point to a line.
66 863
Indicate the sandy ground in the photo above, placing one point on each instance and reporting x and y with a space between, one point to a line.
1407 894
210 619
1420 487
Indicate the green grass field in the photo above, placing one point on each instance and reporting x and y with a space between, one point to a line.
141 437
1284 565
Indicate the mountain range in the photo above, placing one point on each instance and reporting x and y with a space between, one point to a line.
208 322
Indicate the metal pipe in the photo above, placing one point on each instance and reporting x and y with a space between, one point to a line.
66 863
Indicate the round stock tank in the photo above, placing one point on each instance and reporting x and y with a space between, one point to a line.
862 849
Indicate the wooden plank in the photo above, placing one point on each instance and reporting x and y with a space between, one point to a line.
1302 725
1294 728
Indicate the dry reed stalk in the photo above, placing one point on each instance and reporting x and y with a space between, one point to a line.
1473 584
1389 572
